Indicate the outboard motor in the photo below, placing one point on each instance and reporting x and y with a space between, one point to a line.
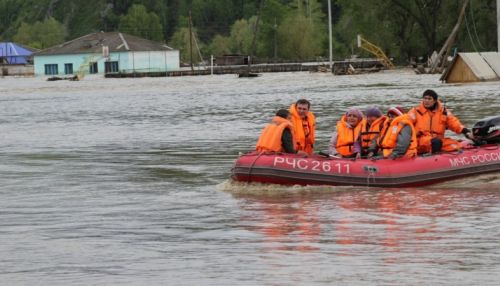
487 131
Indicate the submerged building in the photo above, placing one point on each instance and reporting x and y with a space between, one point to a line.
14 54
473 67
106 52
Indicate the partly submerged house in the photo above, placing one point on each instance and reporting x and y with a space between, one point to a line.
14 54
106 52
473 67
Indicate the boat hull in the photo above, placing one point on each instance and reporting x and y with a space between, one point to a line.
290 169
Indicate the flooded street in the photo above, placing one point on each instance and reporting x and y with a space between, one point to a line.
126 181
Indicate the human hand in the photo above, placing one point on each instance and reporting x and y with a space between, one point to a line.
370 155
302 153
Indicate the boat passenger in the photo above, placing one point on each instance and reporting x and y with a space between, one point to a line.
304 124
397 138
278 136
372 127
431 119
346 141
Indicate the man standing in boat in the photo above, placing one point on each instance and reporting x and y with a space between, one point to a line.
278 136
431 119
304 125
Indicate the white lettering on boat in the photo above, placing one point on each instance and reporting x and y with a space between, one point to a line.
312 165
475 159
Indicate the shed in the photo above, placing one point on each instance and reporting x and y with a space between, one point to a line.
473 67
231 60
14 54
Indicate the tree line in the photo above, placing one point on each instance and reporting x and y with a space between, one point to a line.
268 29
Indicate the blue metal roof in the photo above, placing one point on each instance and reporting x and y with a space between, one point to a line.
13 53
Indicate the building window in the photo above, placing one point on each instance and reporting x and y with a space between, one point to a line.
68 68
93 67
51 69
111 67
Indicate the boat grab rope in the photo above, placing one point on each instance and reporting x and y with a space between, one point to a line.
253 164
371 174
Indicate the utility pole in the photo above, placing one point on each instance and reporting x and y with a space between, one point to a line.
256 29
276 41
330 31
498 25
190 42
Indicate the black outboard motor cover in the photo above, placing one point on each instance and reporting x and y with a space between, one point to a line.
487 130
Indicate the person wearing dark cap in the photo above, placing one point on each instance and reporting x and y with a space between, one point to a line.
278 136
346 140
371 127
431 119
397 138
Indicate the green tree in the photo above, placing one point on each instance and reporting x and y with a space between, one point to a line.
181 40
302 33
219 46
140 23
41 35
242 32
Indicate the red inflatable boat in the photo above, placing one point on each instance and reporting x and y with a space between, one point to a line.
290 169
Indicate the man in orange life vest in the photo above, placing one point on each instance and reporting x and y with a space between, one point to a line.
397 138
431 119
346 141
304 124
278 136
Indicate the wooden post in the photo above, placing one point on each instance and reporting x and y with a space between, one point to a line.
450 40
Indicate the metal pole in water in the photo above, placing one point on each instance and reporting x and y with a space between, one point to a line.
330 30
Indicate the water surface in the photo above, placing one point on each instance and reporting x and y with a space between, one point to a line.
125 181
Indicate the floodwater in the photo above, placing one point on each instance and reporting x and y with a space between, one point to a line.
126 181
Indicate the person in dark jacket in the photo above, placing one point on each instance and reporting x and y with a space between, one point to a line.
278 135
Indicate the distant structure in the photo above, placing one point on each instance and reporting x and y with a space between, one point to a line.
473 67
15 59
14 54
106 53
228 60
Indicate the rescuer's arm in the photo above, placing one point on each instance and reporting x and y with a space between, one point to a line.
402 143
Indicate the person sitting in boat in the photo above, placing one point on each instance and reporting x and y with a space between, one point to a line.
371 127
346 141
431 119
278 136
304 124
397 138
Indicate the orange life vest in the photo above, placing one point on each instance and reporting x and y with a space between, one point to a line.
434 122
270 138
368 133
303 141
389 136
346 136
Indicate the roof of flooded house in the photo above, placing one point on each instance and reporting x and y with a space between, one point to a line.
484 65
94 43
14 53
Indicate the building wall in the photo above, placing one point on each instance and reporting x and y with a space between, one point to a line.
153 61
460 72
17 70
